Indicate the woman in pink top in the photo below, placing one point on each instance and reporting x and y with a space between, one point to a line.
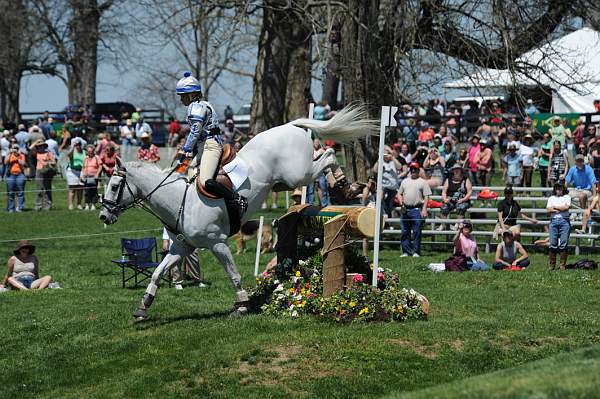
483 159
464 243
474 150
92 167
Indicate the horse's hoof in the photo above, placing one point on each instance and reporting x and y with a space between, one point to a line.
139 319
139 314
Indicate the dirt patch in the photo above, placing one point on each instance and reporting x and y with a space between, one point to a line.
271 367
428 352
545 341
275 361
457 345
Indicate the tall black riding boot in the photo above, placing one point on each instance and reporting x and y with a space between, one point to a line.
218 189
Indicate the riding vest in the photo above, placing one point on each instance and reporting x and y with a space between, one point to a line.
204 123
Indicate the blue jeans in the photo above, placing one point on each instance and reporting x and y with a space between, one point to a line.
310 191
15 185
477 266
560 229
3 169
411 222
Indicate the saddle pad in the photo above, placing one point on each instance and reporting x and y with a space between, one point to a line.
237 170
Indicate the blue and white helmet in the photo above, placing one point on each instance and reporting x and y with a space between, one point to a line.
188 84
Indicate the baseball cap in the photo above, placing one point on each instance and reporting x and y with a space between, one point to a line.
414 165
508 233
579 157
530 101
508 190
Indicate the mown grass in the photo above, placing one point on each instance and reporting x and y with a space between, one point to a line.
495 334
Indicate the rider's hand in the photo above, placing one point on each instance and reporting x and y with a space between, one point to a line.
189 155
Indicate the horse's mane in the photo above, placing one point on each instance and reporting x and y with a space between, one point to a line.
151 168
140 165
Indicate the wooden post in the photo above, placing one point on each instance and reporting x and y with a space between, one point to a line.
334 269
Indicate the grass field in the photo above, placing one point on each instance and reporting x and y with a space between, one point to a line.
497 334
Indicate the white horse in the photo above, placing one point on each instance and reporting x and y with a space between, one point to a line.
280 157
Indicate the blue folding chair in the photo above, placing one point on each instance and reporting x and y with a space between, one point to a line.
139 256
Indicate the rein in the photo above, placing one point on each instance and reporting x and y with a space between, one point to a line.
114 207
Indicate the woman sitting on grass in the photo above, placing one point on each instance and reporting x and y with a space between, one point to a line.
464 243
23 272
506 254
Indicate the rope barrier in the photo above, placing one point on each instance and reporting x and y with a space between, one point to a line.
82 235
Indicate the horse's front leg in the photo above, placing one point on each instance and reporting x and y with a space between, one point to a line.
170 259
223 254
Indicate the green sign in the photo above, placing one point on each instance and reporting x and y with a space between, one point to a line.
541 122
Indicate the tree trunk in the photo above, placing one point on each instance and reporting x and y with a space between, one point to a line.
331 78
298 83
283 32
10 95
14 54
368 69
81 74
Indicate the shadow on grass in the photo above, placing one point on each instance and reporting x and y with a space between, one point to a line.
155 321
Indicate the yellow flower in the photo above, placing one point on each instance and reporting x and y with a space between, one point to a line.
303 303
352 304
363 311
291 290
343 302
298 273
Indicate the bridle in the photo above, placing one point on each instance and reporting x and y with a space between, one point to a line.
114 207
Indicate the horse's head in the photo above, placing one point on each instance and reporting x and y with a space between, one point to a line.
118 195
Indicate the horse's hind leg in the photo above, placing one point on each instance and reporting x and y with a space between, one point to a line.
168 262
223 254
327 159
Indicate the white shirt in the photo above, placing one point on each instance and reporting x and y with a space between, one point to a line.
126 132
526 154
516 143
555 201
4 146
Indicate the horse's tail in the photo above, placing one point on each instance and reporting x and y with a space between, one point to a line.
347 125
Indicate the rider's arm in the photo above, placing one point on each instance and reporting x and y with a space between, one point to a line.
197 116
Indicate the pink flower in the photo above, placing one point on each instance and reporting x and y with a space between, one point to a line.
380 276
358 278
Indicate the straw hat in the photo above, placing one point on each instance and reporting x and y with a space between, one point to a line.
145 135
24 244
297 193
40 143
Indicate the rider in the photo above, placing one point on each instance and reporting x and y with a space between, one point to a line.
205 138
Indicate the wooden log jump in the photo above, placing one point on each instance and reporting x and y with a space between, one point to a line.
337 224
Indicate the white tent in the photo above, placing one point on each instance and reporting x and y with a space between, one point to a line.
572 71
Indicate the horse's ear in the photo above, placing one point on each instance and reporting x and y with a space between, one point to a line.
120 164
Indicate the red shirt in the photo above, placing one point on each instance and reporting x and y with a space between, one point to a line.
426 135
109 162
149 154
174 128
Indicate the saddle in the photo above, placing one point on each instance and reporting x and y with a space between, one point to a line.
227 155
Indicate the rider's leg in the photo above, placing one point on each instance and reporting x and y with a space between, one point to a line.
209 163
211 153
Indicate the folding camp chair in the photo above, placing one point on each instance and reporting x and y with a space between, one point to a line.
140 257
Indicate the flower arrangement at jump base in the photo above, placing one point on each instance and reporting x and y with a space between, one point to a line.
295 290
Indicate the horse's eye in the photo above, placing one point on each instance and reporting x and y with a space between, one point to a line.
114 188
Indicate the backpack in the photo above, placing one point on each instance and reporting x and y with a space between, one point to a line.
456 263
583 264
